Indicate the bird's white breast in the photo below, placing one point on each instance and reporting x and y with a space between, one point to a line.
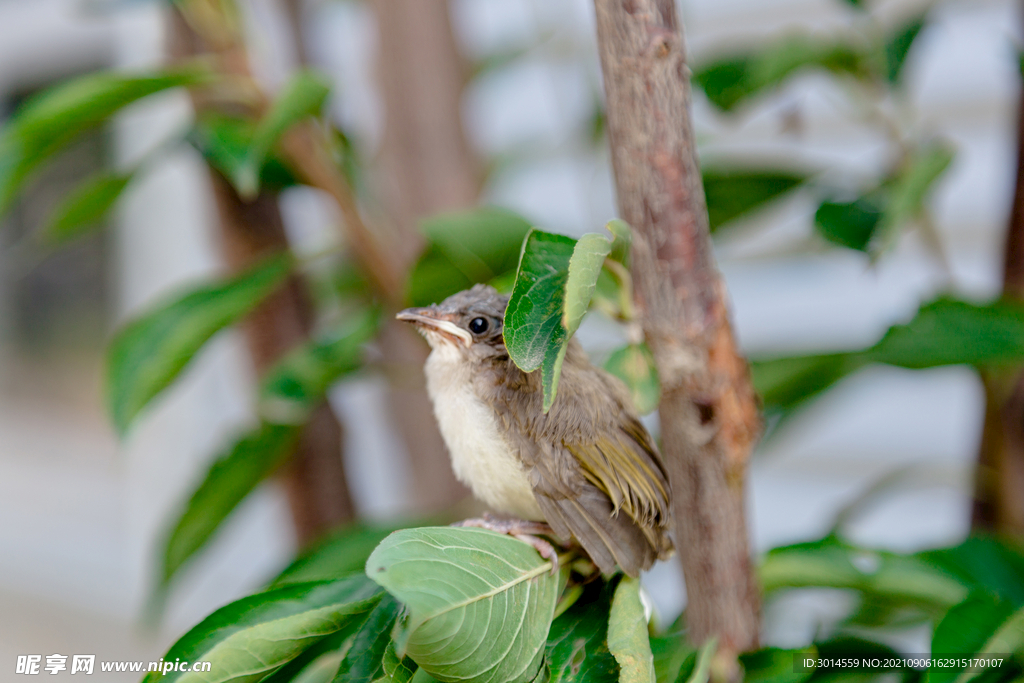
481 457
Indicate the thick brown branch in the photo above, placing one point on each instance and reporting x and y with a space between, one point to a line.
709 413
999 489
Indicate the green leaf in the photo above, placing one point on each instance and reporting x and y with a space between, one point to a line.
969 627
342 552
702 666
859 4
671 652
296 385
584 268
729 81
364 661
463 249
577 651
832 564
229 480
1008 638
848 224
316 664
738 192
774 665
898 46
634 365
479 603
251 638
944 332
986 563
147 355
554 286
951 332
303 96
396 669
85 207
535 335
225 142
785 383
627 634
51 120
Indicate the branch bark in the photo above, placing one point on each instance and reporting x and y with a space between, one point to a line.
709 416
999 481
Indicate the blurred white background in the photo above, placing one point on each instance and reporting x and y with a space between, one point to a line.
82 514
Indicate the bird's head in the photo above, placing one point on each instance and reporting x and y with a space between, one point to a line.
470 321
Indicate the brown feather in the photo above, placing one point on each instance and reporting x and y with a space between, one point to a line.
595 471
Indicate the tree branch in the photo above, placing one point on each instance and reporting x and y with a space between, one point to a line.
709 416
314 478
999 485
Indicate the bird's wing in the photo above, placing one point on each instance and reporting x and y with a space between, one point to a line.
595 471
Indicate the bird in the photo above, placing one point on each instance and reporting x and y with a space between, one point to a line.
587 471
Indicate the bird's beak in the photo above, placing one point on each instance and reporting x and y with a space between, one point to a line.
430 319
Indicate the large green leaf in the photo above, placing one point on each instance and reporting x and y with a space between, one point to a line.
944 332
364 661
634 365
671 653
303 96
832 564
296 384
85 207
251 638
51 120
964 630
735 193
147 355
985 563
785 383
343 552
729 81
555 284
310 665
1007 639
951 332
463 249
225 142
229 480
627 634
479 603
577 648
535 334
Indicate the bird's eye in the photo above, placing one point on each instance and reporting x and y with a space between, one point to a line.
478 325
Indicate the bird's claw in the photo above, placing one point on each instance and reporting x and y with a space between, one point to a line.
526 531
